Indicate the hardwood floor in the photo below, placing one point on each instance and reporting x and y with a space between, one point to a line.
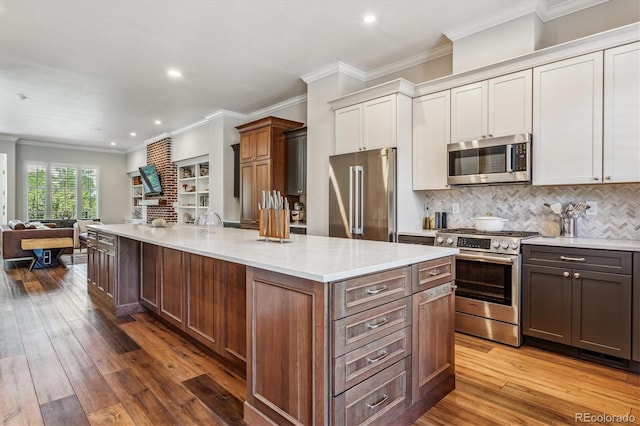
63 360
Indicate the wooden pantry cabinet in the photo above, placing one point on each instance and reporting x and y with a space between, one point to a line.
263 163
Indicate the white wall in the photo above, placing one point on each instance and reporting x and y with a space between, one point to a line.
136 159
8 146
192 143
320 145
115 186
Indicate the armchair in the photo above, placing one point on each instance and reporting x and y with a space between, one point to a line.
80 232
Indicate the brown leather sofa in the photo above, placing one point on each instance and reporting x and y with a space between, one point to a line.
11 238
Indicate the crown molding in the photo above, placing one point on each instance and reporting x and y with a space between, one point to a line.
496 19
548 11
279 106
338 67
8 138
157 138
46 144
397 86
224 113
411 61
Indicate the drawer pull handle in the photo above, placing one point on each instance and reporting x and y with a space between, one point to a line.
379 358
572 259
377 324
435 272
377 290
377 404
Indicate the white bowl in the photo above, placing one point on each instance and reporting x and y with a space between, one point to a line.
490 223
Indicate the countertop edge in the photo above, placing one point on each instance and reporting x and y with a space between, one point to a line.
587 243
324 278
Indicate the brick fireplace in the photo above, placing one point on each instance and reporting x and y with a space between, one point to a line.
159 153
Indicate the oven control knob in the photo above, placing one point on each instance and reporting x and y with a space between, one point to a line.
450 241
514 245
496 244
439 240
504 245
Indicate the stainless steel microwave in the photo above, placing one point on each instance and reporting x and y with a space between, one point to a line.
505 159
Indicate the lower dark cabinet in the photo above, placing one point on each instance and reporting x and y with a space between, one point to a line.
236 170
573 303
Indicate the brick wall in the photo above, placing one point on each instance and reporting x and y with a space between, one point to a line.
159 153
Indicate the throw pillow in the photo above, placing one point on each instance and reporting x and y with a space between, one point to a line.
16 224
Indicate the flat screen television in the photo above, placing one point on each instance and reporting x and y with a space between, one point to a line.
150 180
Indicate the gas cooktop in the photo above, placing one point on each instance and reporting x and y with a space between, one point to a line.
471 231
504 242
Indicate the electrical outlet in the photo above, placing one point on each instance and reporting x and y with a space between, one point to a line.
593 208
455 208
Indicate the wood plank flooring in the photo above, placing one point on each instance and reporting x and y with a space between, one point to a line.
64 361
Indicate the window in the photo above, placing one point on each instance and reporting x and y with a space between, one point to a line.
60 191
36 190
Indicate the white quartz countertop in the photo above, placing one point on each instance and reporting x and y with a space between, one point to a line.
590 243
310 257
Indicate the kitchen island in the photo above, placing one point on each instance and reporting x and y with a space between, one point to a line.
333 331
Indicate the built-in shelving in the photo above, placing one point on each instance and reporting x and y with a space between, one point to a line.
138 210
193 189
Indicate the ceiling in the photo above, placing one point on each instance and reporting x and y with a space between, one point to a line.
91 72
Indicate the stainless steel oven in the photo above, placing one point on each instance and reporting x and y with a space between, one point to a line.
488 281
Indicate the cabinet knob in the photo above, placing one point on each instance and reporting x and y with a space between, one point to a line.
607 177
596 178
490 135
565 274
576 275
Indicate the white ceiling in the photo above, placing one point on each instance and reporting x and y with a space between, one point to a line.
93 71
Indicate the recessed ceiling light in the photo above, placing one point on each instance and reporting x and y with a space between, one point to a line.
158 122
369 18
132 133
21 96
174 73
112 144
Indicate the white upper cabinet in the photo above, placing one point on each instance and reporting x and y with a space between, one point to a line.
368 125
431 134
500 106
567 121
621 155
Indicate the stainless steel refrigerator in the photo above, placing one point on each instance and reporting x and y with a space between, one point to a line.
362 195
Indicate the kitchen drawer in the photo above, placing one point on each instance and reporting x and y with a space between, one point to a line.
616 262
377 400
92 236
365 327
365 292
106 240
433 272
362 363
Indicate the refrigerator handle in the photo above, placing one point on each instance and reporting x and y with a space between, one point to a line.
359 200
351 171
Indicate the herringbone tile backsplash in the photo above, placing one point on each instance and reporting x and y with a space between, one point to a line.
618 215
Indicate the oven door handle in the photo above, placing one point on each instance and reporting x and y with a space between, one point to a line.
485 258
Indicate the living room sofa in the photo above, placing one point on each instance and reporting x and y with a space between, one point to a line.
13 233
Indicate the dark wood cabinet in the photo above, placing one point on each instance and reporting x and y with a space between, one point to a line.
113 271
203 300
578 297
635 329
263 163
546 307
231 280
172 294
150 279
296 161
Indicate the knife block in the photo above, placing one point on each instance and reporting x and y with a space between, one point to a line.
273 224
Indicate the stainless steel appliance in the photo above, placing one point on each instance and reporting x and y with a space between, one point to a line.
505 159
362 195
488 282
